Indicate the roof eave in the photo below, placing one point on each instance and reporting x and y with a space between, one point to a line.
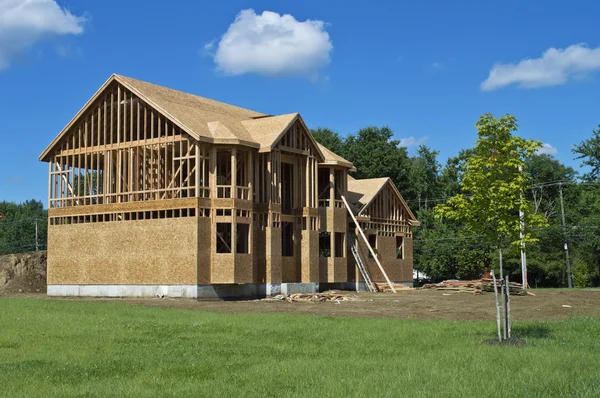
345 165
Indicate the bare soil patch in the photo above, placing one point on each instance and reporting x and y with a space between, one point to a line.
547 304
23 273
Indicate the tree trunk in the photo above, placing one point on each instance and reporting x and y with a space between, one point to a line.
500 257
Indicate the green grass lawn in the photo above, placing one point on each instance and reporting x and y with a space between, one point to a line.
107 348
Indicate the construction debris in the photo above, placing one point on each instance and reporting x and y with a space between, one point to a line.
474 286
316 297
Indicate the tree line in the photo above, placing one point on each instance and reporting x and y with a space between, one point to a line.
18 226
447 247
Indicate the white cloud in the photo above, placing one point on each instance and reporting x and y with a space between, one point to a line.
270 44
547 149
24 22
412 141
554 67
209 45
437 66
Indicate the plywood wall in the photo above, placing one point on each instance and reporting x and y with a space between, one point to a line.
163 252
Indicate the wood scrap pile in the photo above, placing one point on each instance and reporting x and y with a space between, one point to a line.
316 297
473 286
515 288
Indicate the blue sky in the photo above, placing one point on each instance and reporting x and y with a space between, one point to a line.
418 67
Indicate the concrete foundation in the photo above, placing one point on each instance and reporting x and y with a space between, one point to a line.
212 291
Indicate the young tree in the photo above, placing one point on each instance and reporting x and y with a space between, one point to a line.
493 184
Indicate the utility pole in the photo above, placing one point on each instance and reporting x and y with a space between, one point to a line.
564 230
37 246
521 235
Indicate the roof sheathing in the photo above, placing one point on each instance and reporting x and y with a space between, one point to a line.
332 158
202 118
370 188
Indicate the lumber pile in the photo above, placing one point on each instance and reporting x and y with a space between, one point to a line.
316 297
473 286
384 287
514 288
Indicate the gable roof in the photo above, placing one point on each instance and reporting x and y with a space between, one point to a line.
202 118
332 158
362 192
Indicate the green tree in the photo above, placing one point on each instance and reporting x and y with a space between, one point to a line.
445 250
493 184
17 227
424 177
589 151
329 139
375 154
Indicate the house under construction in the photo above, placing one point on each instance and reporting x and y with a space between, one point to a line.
154 191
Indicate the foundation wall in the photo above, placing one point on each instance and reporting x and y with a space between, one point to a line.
152 252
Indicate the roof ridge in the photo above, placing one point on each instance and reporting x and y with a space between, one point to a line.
258 114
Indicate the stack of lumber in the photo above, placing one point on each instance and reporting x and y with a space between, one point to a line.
474 286
384 287
316 297
515 289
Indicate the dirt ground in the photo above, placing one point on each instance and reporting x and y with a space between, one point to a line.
23 273
547 304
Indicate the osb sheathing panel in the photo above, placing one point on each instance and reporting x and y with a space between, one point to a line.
340 222
310 211
351 268
332 219
124 207
396 269
204 249
340 270
223 267
244 271
229 203
128 252
273 255
323 269
310 256
289 270
259 257
324 225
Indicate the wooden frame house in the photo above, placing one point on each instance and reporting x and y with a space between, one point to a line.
154 191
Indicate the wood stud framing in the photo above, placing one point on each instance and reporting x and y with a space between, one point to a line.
387 215
122 150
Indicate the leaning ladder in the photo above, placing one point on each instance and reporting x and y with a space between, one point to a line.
361 266
362 234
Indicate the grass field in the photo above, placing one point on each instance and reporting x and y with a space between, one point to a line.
109 348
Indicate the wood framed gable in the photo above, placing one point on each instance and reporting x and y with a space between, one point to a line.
103 109
119 148
296 139
388 212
